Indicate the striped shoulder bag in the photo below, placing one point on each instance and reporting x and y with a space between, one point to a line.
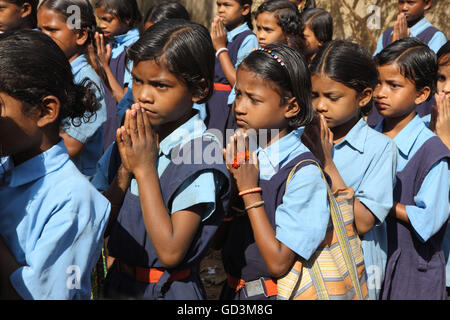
336 270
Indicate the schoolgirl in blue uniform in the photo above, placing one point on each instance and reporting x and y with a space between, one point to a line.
418 219
355 156
52 220
170 183
279 21
411 22
271 224
233 40
440 124
160 12
118 25
318 30
84 141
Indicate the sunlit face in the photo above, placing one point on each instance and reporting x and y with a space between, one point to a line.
443 79
337 103
110 24
164 96
268 30
231 12
413 9
258 105
17 130
54 25
10 16
395 95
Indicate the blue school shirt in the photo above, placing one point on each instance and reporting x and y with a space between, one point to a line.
250 42
367 161
52 220
100 178
446 244
432 201
197 189
121 43
200 188
302 218
435 43
90 133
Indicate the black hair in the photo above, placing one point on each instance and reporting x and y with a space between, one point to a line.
32 66
166 10
125 10
34 5
288 18
170 42
320 22
309 4
292 78
416 61
443 55
248 17
87 22
349 64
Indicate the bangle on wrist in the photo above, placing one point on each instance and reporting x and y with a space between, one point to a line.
255 205
254 190
220 51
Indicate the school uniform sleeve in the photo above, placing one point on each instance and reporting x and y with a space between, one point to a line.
250 42
427 120
198 189
85 131
127 77
377 188
432 202
302 219
100 178
437 41
379 45
124 104
60 262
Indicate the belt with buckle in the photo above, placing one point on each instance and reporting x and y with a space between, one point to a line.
149 275
253 288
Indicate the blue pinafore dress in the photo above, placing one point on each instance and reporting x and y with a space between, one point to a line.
219 115
241 256
415 270
130 242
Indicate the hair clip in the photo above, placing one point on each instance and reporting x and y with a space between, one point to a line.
273 54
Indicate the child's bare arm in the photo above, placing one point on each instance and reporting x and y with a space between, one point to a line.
399 211
171 235
319 139
104 55
74 147
219 38
440 118
277 256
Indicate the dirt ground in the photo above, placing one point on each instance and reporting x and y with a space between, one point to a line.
212 274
